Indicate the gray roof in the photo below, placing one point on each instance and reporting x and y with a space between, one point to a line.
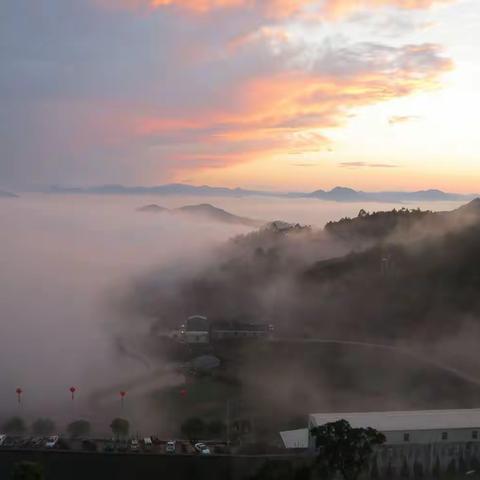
408 420
295 438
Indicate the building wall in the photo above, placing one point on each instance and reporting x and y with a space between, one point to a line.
400 438
229 334
196 337
432 436
452 460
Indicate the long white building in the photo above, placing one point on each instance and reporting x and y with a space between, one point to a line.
399 428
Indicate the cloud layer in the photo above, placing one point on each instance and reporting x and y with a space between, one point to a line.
94 94
276 8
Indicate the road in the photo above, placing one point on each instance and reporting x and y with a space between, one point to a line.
411 353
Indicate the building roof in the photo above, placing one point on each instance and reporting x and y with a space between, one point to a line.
295 438
407 420
197 323
236 325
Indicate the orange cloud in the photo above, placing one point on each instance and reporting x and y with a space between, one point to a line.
288 113
275 8
338 8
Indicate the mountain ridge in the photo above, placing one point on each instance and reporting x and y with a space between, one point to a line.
336 194
205 211
5 194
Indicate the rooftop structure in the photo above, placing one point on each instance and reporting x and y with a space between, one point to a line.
399 427
404 420
199 329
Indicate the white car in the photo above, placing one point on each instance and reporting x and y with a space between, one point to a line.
202 449
2 439
134 447
171 447
51 441
147 443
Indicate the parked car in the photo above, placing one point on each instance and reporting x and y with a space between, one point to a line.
8 442
122 447
147 444
89 446
134 446
109 447
52 441
202 449
221 449
25 442
171 447
36 442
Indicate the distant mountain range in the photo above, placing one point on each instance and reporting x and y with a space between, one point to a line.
204 211
4 194
337 194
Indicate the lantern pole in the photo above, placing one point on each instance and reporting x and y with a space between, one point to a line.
72 391
19 392
122 398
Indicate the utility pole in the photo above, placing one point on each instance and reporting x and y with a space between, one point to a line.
228 423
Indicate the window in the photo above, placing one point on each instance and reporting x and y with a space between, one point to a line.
475 434
444 435
406 437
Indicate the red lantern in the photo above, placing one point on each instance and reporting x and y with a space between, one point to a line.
72 391
19 392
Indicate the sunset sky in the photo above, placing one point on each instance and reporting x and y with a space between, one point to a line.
271 94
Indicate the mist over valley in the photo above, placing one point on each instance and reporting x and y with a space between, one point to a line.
91 289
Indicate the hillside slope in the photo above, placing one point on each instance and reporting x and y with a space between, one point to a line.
204 211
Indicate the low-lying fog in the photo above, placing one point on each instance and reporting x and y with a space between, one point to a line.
61 257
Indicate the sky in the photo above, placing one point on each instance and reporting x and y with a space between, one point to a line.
271 94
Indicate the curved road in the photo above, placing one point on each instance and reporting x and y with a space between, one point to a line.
393 348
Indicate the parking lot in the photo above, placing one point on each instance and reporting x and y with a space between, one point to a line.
148 445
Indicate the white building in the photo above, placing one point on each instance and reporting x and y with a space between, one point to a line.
199 329
196 330
399 428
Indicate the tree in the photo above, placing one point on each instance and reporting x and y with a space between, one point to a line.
436 469
451 469
14 426
462 465
390 471
27 471
193 428
43 427
120 427
374 473
405 470
417 470
474 464
79 428
345 449
216 428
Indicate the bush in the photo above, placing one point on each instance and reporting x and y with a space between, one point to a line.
14 426
216 428
193 428
120 427
79 428
27 471
43 427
